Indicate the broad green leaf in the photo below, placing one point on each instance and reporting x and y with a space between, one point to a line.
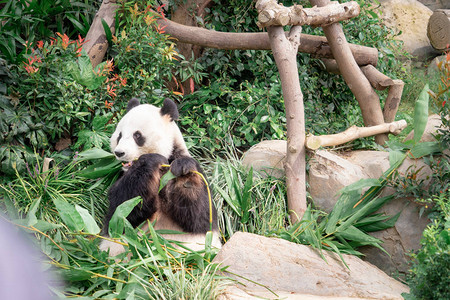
90 226
395 156
233 204
165 179
94 153
421 114
104 167
364 210
360 184
335 214
107 32
155 239
75 274
425 148
381 225
31 216
69 215
117 222
354 234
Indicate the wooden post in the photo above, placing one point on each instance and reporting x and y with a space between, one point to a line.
368 100
285 53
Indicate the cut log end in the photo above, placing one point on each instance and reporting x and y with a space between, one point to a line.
438 30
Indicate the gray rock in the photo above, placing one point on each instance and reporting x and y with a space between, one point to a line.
329 172
267 157
411 18
433 124
273 268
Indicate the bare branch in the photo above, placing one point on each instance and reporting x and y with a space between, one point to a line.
315 142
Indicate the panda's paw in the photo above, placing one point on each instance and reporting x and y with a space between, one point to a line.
183 166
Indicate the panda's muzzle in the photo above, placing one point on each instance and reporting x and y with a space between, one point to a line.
119 154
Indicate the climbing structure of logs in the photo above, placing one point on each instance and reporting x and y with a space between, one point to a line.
355 63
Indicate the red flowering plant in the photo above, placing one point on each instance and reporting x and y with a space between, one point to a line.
61 94
442 97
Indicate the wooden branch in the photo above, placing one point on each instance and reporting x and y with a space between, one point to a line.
97 43
367 98
393 100
377 80
285 53
438 29
311 44
315 142
273 14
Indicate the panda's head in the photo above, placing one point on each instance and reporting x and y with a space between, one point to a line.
147 129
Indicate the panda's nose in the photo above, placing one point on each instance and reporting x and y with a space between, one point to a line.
119 153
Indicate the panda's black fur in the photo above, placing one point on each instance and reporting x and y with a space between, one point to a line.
184 199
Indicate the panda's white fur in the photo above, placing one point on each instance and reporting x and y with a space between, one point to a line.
162 136
146 118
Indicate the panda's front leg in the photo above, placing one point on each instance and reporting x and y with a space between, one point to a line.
186 198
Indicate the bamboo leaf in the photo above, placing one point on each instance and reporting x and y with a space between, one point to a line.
31 216
165 179
69 215
117 222
156 241
94 153
90 225
360 184
424 149
421 114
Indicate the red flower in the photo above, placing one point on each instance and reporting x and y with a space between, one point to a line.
65 40
160 10
40 44
443 103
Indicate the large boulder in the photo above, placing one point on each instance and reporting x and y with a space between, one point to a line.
274 268
411 18
330 171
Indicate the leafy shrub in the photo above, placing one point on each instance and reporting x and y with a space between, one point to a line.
56 95
429 276
26 22
442 97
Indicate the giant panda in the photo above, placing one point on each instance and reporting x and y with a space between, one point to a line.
146 138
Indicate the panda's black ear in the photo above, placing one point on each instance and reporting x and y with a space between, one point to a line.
169 108
132 103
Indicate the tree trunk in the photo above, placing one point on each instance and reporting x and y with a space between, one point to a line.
359 85
438 29
285 53
97 43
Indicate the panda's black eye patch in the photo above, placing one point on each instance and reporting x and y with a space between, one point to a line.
119 137
139 138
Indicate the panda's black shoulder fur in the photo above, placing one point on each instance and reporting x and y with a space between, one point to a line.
141 179
184 199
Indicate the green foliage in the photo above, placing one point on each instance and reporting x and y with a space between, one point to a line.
150 269
26 22
429 277
441 98
54 187
56 94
